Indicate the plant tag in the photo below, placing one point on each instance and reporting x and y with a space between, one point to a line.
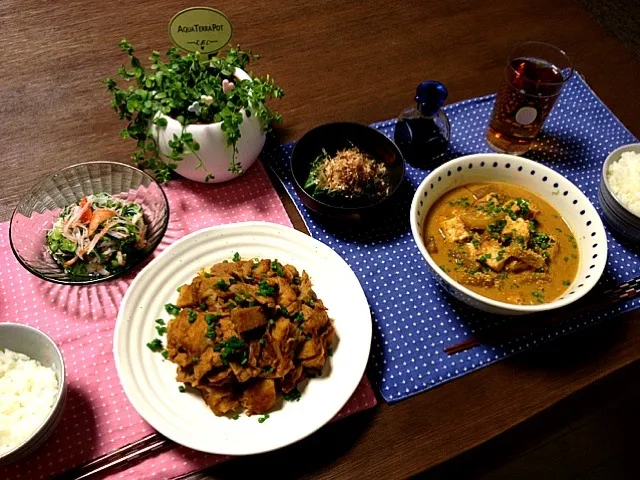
200 29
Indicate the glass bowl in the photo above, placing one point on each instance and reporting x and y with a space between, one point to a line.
39 208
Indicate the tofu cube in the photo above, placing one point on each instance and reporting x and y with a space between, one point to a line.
490 197
454 230
517 228
493 255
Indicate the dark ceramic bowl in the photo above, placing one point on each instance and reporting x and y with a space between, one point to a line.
40 207
332 137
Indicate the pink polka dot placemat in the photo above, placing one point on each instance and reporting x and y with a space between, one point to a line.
98 417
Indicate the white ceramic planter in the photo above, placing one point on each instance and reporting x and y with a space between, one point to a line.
214 152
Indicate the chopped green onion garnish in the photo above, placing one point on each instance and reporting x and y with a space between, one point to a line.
211 332
276 267
293 395
155 345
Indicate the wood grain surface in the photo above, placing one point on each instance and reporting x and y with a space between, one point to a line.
336 60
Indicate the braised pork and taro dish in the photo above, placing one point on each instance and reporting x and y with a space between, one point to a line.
502 242
246 331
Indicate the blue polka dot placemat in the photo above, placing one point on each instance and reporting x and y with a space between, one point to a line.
414 320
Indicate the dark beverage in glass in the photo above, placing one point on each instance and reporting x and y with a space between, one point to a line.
533 80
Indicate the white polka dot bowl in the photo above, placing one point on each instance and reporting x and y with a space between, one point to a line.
37 346
618 216
572 204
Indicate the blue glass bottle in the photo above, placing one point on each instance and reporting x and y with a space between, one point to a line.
422 132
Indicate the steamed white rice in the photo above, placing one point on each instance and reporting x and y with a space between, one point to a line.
624 179
27 394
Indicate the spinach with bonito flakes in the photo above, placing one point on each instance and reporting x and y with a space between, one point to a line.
98 235
350 174
244 332
502 242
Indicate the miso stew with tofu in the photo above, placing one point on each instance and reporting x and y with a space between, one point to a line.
503 242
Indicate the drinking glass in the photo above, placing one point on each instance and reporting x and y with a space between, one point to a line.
534 77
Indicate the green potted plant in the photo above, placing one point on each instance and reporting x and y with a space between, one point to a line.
204 118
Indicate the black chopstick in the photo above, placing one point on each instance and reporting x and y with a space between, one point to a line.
621 293
123 456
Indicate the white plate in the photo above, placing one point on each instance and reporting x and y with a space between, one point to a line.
149 380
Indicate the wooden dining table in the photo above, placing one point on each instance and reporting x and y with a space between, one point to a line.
355 61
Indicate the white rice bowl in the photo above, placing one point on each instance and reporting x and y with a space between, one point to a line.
28 392
624 180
